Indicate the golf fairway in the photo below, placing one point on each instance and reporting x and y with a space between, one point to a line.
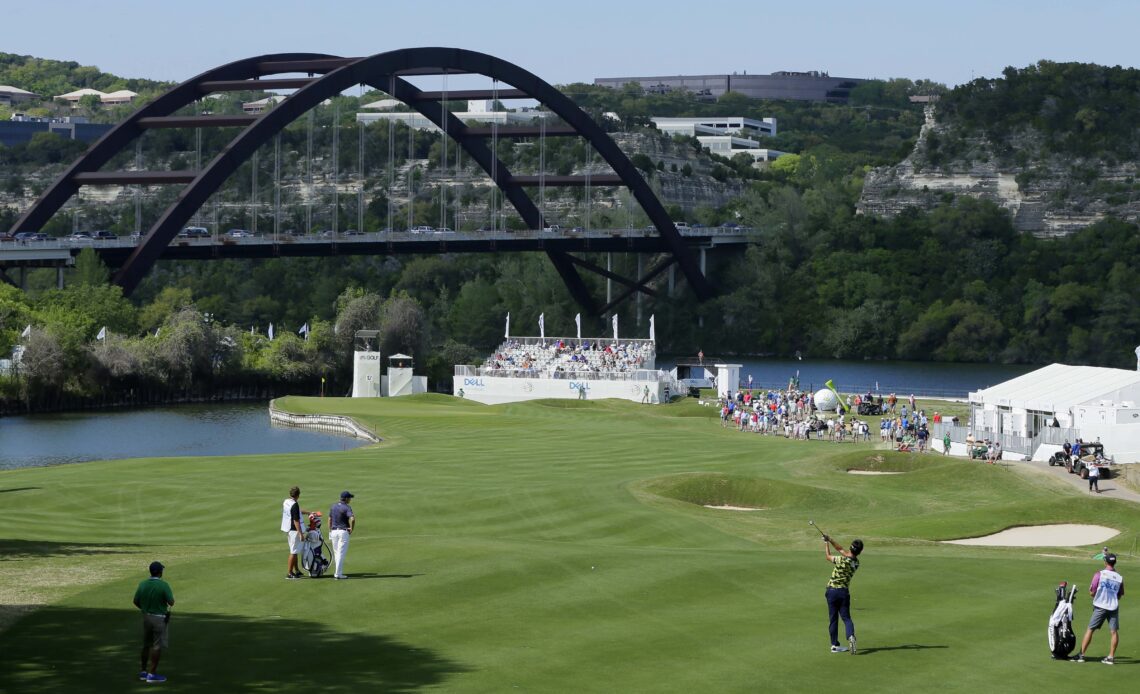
551 546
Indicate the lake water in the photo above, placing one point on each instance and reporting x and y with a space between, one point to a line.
188 430
239 429
929 379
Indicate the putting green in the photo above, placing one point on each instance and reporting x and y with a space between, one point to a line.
546 548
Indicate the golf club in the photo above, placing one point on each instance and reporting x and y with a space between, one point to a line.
821 533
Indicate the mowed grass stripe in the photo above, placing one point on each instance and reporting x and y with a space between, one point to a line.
478 530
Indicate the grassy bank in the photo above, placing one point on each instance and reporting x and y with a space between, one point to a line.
545 547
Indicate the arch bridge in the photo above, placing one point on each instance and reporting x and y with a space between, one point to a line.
325 76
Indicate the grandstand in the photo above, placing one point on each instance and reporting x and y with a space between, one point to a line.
529 368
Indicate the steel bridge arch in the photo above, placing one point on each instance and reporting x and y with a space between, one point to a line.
384 72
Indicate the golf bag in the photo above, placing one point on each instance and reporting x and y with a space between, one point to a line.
1062 640
312 557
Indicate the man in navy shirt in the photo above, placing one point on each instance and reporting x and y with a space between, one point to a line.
342 521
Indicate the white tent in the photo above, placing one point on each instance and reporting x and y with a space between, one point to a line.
1093 401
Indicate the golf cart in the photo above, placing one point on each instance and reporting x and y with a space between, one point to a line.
1090 452
869 408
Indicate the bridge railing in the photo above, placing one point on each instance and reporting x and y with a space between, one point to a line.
373 236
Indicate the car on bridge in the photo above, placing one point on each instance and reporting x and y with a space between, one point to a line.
80 237
239 234
194 233
353 232
26 236
422 229
104 236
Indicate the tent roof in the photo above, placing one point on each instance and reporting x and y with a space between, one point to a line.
399 356
383 103
8 89
80 92
1057 387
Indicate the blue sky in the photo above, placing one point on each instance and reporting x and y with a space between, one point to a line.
578 40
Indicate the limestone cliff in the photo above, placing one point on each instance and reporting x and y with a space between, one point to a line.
1047 195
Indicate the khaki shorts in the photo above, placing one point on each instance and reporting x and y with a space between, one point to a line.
155 633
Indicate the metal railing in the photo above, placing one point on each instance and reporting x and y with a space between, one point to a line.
645 375
1025 445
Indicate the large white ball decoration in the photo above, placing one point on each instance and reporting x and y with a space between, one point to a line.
826 400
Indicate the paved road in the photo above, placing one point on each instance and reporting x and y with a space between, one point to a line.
1111 488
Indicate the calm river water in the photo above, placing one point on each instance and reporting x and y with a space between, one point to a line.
187 430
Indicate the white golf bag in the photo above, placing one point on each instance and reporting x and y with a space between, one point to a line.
1062 640
313 542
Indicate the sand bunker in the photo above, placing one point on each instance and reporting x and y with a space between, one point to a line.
873 472
733 508
1063 535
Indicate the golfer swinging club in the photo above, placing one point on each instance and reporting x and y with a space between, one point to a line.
838 595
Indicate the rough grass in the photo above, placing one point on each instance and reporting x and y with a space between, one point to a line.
545 548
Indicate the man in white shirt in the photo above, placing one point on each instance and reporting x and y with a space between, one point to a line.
1106 590
291 524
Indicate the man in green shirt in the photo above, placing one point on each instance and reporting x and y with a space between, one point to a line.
153 597
838 596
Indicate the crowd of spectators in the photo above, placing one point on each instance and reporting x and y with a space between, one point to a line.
792 413
570 358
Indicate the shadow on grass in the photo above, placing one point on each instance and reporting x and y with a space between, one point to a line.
26 549
903 647
375 575
70 650
17 489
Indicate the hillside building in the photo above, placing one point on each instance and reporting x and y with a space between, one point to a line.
20 129
477 112
122 96
798 86
724 136
13 96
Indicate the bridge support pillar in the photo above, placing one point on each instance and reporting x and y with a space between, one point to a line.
640 271
672 280
59 277
701 317
24 279
609 282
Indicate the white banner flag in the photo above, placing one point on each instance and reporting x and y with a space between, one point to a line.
578 323
304 331
542 326
102 333
27 331
615 327
157 330
270 331
507 334
652 333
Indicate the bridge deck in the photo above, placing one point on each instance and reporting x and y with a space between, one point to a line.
114 252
